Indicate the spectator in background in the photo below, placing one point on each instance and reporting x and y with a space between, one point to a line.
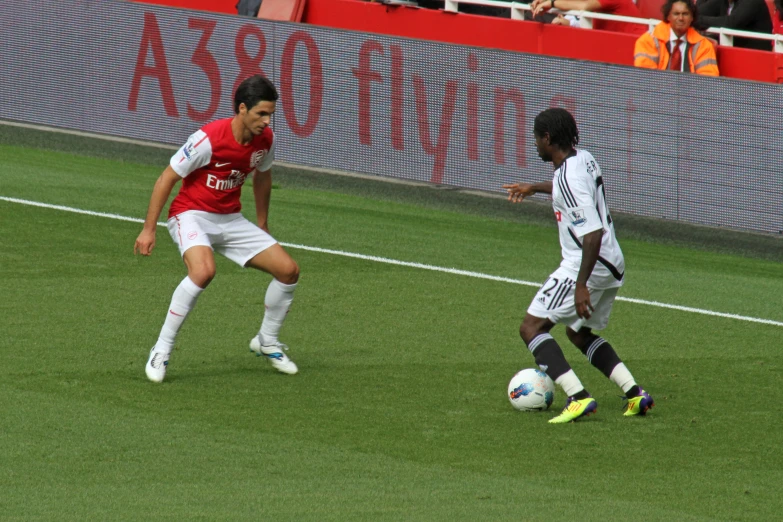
482 10
675 45
615 7
743 15
248 7
485 10
777 17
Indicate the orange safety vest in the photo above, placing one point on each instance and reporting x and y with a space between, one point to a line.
652 51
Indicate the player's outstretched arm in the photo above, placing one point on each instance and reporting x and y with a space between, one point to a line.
160 195
517 192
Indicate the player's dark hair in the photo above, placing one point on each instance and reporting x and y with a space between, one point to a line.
560 126
666 8
253 90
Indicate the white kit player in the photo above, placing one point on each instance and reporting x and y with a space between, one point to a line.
205 217
581 292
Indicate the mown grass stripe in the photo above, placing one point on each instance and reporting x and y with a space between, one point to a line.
410 264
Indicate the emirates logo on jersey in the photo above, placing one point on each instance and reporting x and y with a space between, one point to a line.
234 180
256 158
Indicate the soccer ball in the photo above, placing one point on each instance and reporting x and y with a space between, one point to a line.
531 390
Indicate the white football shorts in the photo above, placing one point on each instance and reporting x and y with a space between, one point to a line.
555 301
231 235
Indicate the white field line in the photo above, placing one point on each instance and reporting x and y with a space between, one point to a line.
422 266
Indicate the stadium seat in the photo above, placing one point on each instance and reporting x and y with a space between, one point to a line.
777 24
651 8
282 10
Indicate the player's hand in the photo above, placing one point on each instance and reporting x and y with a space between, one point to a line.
144 243
519 191
584 308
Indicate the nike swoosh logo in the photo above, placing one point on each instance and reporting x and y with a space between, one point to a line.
175 313
218 165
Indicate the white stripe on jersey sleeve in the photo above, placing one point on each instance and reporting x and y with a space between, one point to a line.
269 158
194 154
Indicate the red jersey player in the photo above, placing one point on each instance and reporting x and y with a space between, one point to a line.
205 217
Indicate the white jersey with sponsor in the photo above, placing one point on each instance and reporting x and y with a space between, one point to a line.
579 201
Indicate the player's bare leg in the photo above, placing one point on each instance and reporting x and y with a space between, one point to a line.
200 261
279 296
549 357
201 270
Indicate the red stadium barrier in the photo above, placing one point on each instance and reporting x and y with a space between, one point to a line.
491 32
514 35
282 10
650 8
479 31
777 23
216 6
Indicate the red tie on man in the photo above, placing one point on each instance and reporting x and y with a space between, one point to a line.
675 62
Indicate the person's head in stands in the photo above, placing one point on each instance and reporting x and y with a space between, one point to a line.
680 14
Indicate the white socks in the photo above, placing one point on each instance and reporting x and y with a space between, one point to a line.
570 383
277 302
622 377
182 302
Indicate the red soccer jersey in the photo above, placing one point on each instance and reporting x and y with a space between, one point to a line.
214 167
619 8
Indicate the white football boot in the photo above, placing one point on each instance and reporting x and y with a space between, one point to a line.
156 365
275 354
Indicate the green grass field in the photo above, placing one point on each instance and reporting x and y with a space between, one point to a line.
399 410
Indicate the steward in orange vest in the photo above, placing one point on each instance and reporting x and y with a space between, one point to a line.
652 51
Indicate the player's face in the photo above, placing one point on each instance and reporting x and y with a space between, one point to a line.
542 145
258 117
680 17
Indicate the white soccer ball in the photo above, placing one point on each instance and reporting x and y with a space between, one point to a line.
531 390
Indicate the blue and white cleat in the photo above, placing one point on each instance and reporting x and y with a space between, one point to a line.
156 365
275 354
